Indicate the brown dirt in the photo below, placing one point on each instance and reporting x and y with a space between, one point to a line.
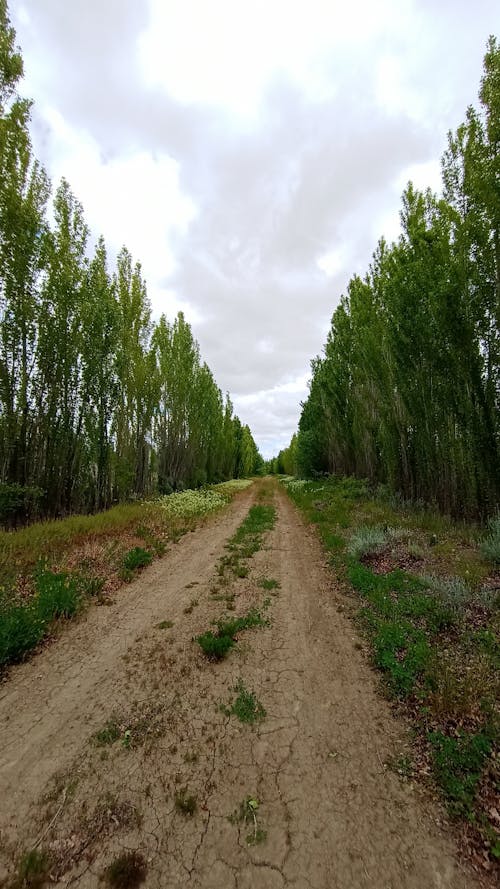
334 816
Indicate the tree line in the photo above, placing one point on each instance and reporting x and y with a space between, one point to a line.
407 391
97 402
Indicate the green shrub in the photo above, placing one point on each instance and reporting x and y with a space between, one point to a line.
21 630
137 558
458 764
490 547
245 707
214 646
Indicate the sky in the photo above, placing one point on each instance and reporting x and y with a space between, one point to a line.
249 155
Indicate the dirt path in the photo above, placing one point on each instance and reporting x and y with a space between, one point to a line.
328 813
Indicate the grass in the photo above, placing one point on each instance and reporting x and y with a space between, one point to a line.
216 646
137 558
24 623
185 803
127 871
247 540
269 583
245 707
429 614
165 625
107 735
33 871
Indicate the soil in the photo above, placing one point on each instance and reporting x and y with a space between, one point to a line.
303 798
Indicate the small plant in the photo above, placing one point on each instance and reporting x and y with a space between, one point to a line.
127 871
165 625
137 558
458 764
107 735
366 541
269 584
452 592
490 547
185 804
214 646
33 871
247 814
246 707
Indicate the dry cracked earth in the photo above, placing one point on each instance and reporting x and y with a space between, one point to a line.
302 798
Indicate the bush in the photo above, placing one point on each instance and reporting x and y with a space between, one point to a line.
366 541
490 546
214 646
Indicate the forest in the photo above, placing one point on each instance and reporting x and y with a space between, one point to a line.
406 393
98 403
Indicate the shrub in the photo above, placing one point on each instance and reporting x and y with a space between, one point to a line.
214 646
246 707
490 547
366 541
58 595
452 592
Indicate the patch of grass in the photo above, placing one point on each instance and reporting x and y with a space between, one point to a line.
247 540
127 871
245 707
365 541
458 763
107 735
24 623
137 558
33 871
268 583
216 646
401 652
165 625
185 803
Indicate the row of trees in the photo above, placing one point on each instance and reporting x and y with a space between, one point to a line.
407 392
96 402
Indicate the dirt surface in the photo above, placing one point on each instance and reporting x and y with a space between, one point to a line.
325 812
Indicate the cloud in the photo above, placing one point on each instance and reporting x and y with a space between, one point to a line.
250 155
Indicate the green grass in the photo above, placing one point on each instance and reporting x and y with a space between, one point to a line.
247 540
107 735
137 558
215 646
25 623
269 583
245 707
33 871
433 635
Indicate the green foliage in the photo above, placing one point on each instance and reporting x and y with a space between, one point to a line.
490 546
33 871
245 707
127 871
137 558
18 503
269 583
401 652
107 735
365 541
406 393
458 763
58 595
216 646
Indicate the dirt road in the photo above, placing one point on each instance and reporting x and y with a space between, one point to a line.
302 798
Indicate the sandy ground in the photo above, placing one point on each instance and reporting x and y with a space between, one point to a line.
329 814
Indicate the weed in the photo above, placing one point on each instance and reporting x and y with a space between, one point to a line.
33 871
190 758
247 814
246 707
269 584
215 647
137 558
58 595
107 735
165 625
458 763
185 804
453 592
127 871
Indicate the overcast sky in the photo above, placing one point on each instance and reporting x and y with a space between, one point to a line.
249 154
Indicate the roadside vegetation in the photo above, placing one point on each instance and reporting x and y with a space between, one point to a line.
52 570
424 593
